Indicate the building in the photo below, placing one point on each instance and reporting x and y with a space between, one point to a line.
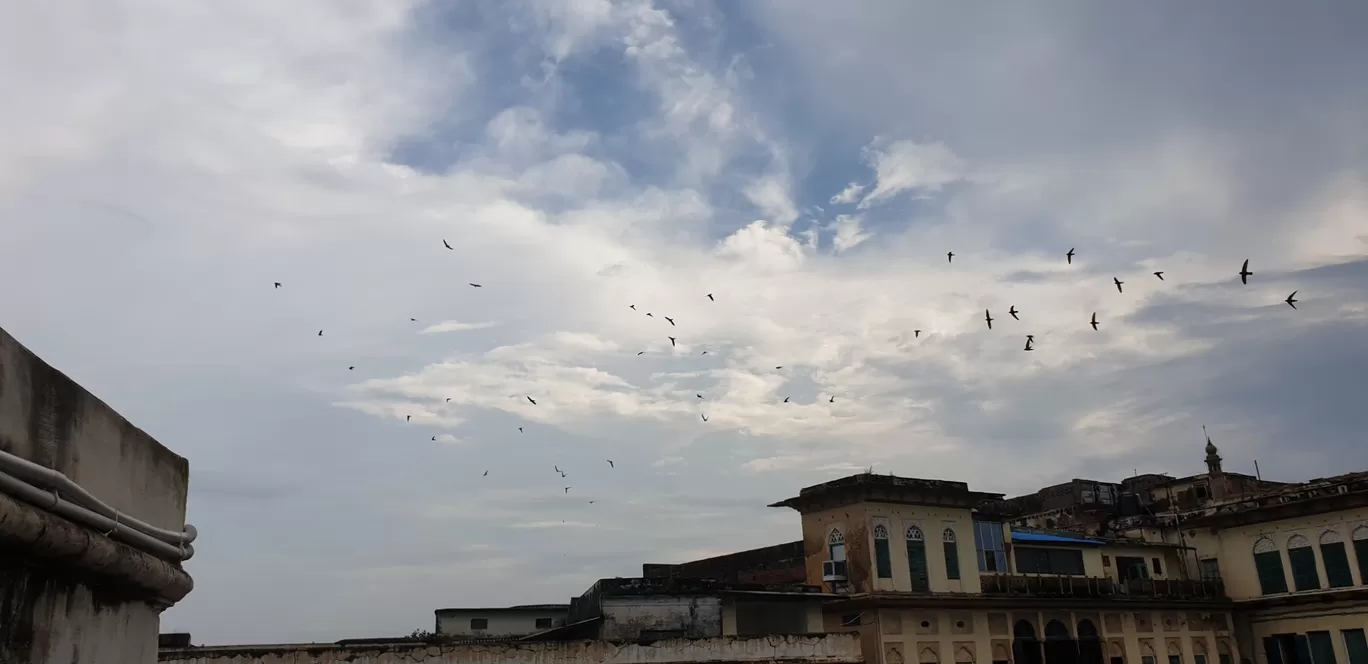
502 622
924 577
778 564
630 609
92 522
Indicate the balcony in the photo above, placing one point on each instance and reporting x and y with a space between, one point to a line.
1023 585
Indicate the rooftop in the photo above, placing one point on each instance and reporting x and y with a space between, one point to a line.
886 489
520 607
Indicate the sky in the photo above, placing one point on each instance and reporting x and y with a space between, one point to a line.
807 163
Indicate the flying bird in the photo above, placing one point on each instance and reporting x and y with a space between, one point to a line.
444 244
1245 273
649 314
632 307
351 368
434 438
476 285
832 399
591 502
1160 274
988 317
786 399
414 320
1012 310
567 489
699 396
669 319
408 418
1028 343
1118 284
610 463
705 418
1290 299
1069 256
672 342
277 284
448 400
486 474
710 297
1094 321
534 401
320 333
949 256
704 353
779 367
916 333
1030 338
641 353
520 430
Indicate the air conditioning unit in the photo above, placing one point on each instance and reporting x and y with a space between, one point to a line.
834 570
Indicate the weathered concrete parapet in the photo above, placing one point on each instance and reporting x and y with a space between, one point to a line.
68 592
835 648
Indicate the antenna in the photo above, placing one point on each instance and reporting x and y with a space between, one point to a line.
1204 433
1257 475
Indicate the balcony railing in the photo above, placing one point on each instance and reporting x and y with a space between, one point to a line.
1087 586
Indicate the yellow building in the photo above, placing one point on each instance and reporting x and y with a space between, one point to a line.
1215 568
928 579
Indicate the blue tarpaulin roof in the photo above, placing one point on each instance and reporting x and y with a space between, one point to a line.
1018 536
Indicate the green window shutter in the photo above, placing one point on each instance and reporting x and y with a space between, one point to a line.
1336 559
1304 573
883 560
951 560
916 565
1322 647
1271 650
1272 579
1303 648
1355 644
1361 552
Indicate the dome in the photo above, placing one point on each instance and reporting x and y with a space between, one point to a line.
1210 447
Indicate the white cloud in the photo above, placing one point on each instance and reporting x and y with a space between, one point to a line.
851 194
771 195
907 166
455 326
848 233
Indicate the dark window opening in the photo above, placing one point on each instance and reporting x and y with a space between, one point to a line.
1157 569
1049 561
543 623
1210 569
1337 573
883 559
1129 568
851 619
1305 576
479 623
1356 645
1322 647
1272 578
760 618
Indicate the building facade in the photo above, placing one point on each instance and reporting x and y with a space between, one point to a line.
509 621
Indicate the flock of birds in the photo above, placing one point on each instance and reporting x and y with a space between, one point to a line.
1012 311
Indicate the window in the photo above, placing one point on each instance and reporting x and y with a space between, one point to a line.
1156 568
992 557
1360 537
1030 560
1199 659
836 546
883 560
1268 564
1305 576
851 619
1336 560
1175 659
916 558
951 554
479 623
1322 647
1147 659
1210 569
1356 645
1130 567
1201 492
543 623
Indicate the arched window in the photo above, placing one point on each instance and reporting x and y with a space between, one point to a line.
1268 564
1060 648
836 545
883 559
1089 643
1336 559
951 547
918 570
1025 646
1223 655
1305 576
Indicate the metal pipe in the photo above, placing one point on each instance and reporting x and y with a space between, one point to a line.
49 478
119 529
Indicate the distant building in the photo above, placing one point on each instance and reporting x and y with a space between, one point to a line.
511 621
781 564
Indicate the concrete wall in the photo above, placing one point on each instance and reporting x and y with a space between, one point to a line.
68 594
934 637
626 617
820 649
502 622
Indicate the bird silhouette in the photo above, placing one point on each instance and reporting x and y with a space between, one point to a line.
408 418
351 368
1012 310
669 319
916 333
832 400
704 353
632 307
414 320
277 284
949 256
1028 344
1245 273
1069 256
649 314
786 399
486 474
534 401
988 317
705 418
779 367
320 333
434 438
1093 322
1290 300
1160 274
476 285
641 353
710 297
448 400
1030 337
672 342
444 244
567 489
610 463
699 396
520 430
1118 284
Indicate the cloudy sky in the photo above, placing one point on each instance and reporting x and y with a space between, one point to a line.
163 163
